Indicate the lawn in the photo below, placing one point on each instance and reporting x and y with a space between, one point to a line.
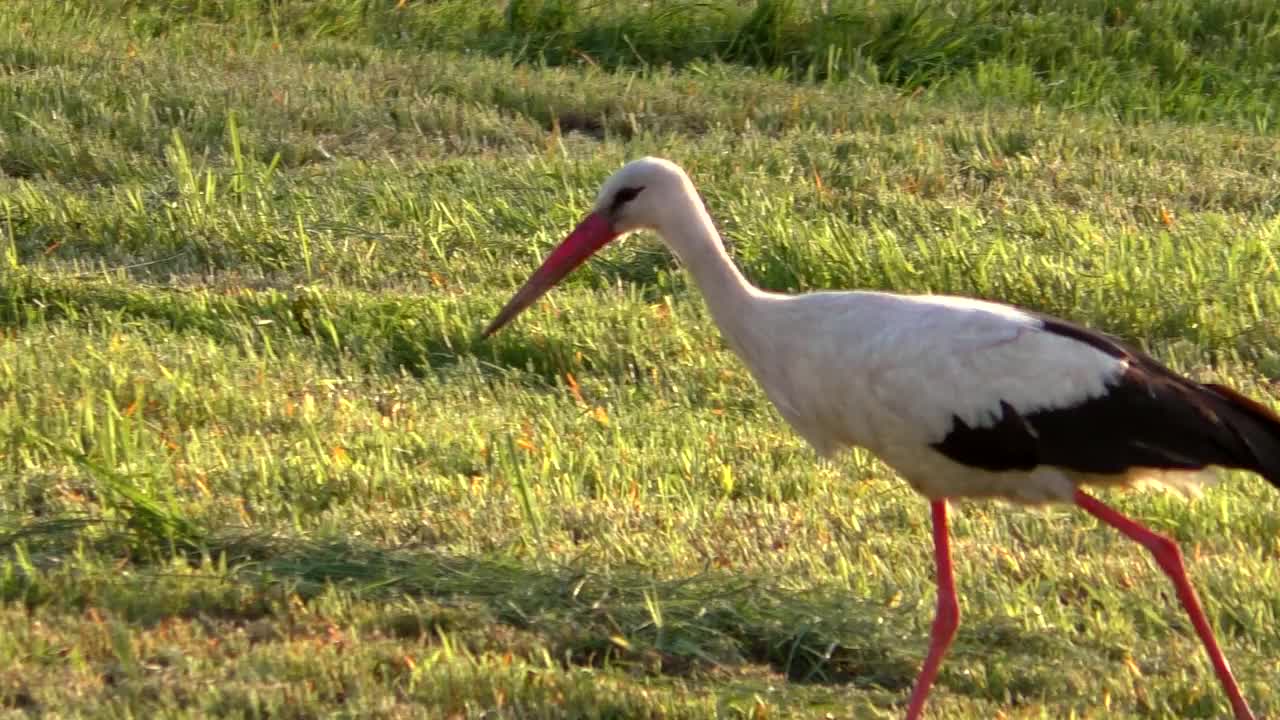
255 460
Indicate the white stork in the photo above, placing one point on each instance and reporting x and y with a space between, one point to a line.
961 397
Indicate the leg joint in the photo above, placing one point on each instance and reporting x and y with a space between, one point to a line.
1165 551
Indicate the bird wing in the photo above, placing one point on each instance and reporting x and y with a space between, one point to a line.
1007 392
965 365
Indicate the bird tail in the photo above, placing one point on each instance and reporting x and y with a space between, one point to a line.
1256 426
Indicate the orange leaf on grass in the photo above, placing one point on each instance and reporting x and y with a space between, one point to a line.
574 389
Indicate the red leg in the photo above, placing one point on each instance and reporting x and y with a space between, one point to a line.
947 618
1169 558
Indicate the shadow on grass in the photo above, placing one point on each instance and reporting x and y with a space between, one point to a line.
708 625
691 625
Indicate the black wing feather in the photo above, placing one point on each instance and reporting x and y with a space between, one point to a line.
1150 418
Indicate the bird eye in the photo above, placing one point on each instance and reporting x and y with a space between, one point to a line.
624 196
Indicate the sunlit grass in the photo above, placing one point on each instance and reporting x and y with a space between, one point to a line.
257 461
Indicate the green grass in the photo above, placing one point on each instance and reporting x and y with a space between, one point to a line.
257 463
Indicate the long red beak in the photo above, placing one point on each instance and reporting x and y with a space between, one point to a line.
593 233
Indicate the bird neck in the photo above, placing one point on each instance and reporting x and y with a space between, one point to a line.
727 292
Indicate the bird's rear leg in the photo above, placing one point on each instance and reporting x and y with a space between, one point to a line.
1166 553
947 618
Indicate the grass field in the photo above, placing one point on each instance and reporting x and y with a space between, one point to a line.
257 463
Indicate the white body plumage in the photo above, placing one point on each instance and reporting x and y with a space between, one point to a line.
891 373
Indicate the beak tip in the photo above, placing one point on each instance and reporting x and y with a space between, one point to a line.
494 326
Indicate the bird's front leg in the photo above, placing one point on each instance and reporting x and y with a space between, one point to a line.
947 618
